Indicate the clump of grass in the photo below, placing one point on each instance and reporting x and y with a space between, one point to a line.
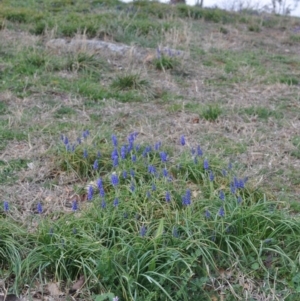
157 222
289 80
262 112
131 81
166 59
294 38
211 112
254 27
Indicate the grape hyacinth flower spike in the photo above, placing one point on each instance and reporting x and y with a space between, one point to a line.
182 140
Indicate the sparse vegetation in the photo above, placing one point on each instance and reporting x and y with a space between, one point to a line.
211 112
164 170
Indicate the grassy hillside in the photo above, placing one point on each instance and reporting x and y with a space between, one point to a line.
148 152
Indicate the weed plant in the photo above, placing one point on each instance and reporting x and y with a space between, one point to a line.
211 112
156 225
129 82
166 59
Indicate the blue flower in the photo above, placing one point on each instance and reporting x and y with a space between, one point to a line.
241 184
85 134
193 151
163 156
207 214
186 199
99 183
95 165
147 150
66 140
151 169
224 172
98 154
132 137
153 187
133 158
211 176
188 193
132 173
85 154
229 165
79 140
114 154
168 197
114 140
165 172
222 195
39 208
116 202
5 206
90 193
232 188
238 183
182 140
205 164
143 231
132 187
74 205
103 204
157 146
101 192
115 161
114 179
123 152
199 151
148 194
124 174
221 212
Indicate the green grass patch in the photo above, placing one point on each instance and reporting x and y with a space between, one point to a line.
8 170
211 112
296 142
129 82
289 80
8 134
3 108
263 112
64 111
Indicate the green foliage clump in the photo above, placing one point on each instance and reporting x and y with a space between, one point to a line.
153 222
128 82
211 112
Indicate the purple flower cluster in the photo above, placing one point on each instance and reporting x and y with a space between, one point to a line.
186 199
5 206
143 231
71 148
90 193
114 179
